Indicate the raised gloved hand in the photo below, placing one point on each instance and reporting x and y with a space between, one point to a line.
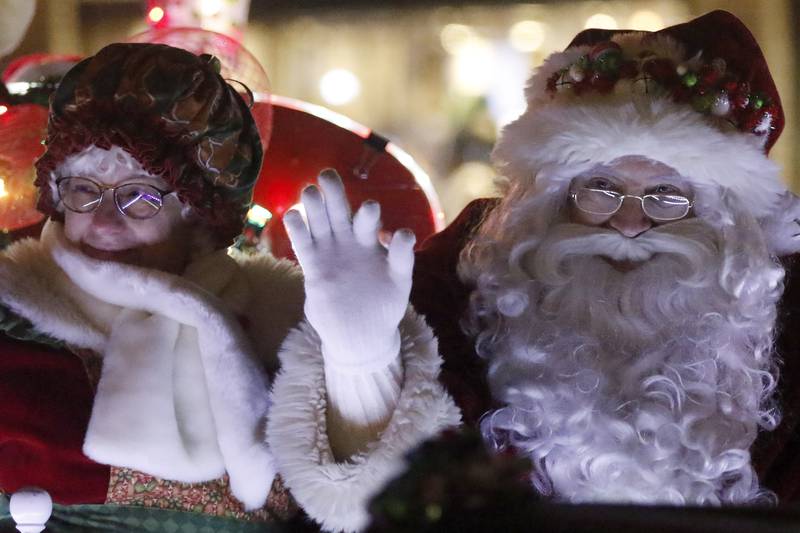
356 290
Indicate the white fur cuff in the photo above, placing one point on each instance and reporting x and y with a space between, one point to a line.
336 494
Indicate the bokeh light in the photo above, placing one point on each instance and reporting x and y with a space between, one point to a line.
339 86
527 35
471 67
455 36
601 21
155 15
646 20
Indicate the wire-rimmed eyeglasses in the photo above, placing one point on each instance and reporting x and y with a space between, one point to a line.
135 200
658 207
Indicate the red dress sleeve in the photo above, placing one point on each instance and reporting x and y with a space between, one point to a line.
45 404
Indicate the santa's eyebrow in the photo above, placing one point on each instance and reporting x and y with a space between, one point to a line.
664 184
597 173
674 181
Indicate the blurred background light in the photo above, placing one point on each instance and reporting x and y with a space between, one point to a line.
455 36
527 35
505 98
258 216
646 20
155 15
339 86
472 66
602 21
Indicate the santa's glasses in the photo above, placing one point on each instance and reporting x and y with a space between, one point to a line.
135 200
658 207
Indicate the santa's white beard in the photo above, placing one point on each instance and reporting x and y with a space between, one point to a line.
642 385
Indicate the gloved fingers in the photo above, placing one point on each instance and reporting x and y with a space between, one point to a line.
298 235
316 213
401 253
367 222
335 200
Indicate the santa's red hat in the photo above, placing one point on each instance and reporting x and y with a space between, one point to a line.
697 97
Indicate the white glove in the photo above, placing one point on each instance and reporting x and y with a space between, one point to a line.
356 291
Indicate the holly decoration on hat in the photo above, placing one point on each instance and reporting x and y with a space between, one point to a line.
708 87
606 57
598 71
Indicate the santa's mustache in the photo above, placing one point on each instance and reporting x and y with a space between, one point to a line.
690 242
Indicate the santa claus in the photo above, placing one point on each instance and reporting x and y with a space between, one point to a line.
613 316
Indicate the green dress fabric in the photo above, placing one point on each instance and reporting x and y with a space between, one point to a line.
120 518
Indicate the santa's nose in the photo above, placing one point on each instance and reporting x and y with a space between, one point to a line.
630 220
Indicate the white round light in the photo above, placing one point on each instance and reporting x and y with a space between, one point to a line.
646 21
601 21
339 86
526 35
454 36
471 67
156 14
